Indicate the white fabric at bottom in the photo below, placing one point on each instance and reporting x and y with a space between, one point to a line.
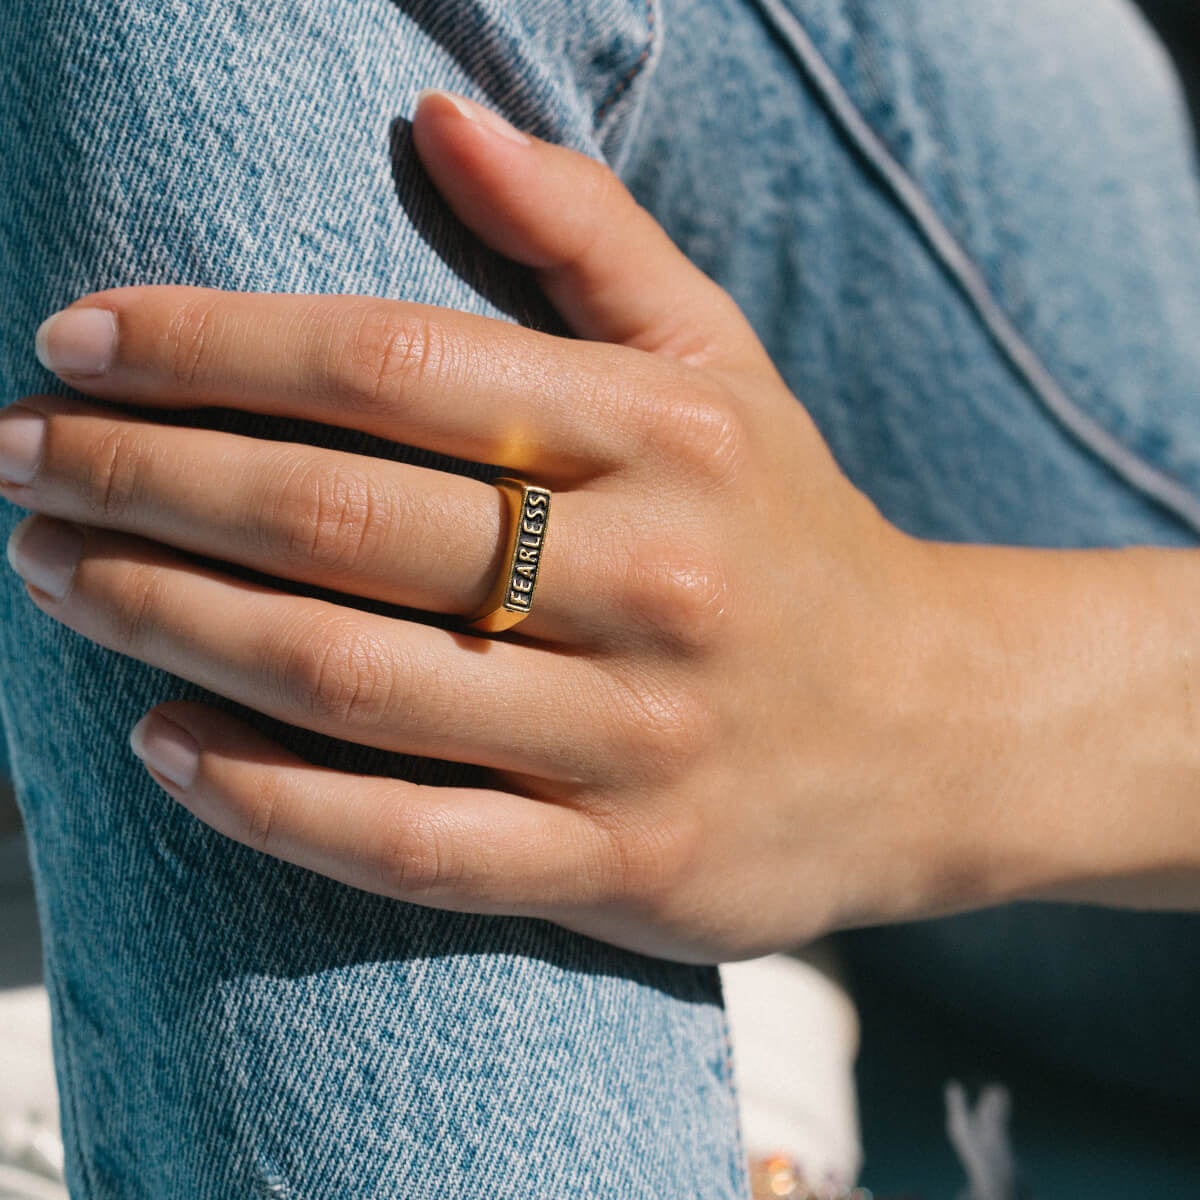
795 1036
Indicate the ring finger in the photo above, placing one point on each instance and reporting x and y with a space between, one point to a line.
403 534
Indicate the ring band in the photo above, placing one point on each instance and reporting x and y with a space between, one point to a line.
511 597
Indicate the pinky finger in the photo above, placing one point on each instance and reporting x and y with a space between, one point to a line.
467 849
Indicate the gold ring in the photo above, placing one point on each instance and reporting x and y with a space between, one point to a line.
511 597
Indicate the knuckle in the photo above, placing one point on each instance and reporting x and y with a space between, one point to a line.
701 432
259 811
188 334
599 190
140 606
335 671
387 353
325 516
663 725
653 857
114 473
683 601
413 860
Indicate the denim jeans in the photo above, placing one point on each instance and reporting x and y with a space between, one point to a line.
967 234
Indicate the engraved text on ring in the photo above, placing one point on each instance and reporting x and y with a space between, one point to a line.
528 550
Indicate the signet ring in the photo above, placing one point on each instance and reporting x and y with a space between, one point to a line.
511 597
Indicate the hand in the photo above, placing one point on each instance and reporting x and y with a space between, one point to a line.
720 731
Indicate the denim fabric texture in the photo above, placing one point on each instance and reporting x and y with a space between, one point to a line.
229 1025
968 235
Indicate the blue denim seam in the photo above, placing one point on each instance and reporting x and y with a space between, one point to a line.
625 88
731 1081
954 259
7 752
67 1070
627 79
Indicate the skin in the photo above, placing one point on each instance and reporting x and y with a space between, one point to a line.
745 710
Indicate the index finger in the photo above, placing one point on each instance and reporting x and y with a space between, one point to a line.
436 378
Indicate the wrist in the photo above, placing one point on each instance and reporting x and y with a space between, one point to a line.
1062 690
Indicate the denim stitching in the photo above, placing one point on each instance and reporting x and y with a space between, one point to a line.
66 1069
1153 483
69 1075
743 1156
623 85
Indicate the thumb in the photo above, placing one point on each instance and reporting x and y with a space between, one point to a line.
607 266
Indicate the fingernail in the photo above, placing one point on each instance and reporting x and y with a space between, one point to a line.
45 552
22 432
478 114
77 341
166 747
